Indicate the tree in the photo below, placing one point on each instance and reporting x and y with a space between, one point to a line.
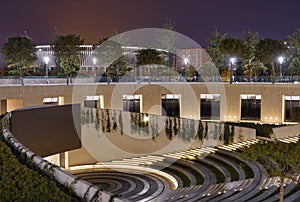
252 66
279 159
66 49
268 50
213 50
208 71
231 47
149 57
294 59
19 53
166 38
107 52
190 72
118 68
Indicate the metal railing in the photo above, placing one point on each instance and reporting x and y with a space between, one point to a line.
153 79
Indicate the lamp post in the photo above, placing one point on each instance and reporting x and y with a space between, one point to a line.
185 61
280 59
232 61
46 60
94 66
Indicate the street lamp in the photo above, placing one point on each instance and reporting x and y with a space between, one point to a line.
94 64
280 59
185 61
232 61
46 60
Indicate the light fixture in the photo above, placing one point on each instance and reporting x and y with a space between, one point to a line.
280 59
46 59
94 61
146 118
232 60
185 61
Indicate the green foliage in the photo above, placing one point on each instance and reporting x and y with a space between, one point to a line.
251 65
226 134
186 182
263 130
268 50
233 173
66 50
219 175
119 67
208 69
248 171
108 52
19 53
279 159
214 52
166 37
19 183
190 71
232 47
195 173
294 56
149 56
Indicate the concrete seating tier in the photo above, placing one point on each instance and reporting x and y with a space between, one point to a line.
131 186
293 139
190 165
235 146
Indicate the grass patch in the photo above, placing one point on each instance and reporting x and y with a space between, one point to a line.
20 183
271 195
198 176
233 173
257 194
186 182
294 190
248 171
219 175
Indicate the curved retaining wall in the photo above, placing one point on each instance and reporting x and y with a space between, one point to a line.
82 188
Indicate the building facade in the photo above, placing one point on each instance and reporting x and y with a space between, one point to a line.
260 103
196 57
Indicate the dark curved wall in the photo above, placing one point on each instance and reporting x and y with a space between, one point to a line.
47 130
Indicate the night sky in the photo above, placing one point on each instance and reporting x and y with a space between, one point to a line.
94 19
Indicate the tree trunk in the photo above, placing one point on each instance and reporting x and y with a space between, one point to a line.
67 79
149 74
281 193
273 72
21 76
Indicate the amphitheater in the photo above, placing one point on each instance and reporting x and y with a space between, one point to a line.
208 169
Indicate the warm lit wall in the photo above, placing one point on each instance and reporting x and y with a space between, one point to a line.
271 96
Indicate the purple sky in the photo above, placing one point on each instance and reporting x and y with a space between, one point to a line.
93 19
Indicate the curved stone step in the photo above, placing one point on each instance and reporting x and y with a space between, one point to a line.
287 189
223 170
294 197
155 188
252 189
231 163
